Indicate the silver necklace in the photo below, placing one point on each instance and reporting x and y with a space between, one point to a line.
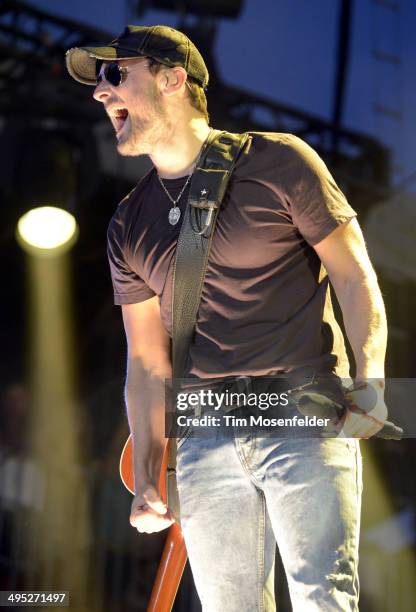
175 211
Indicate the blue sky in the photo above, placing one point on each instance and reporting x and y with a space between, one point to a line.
285 50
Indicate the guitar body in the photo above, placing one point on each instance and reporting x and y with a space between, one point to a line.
174 555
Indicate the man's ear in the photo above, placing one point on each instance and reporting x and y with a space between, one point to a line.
172 80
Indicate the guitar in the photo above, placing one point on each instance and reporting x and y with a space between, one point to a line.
174 554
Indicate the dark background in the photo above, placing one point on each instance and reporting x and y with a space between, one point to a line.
339 74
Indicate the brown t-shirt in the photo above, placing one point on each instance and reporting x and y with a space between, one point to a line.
265 304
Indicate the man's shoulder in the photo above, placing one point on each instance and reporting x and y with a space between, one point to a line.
285 138
272 152
134 193
125 205
280 143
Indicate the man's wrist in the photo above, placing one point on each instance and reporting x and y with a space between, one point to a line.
143 482
378 382
146 472
367 371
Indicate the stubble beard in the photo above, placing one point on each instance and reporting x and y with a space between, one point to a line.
146 131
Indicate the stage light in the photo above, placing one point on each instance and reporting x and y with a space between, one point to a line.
44 187
60 555
46 230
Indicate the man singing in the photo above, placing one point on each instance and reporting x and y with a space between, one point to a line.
284 230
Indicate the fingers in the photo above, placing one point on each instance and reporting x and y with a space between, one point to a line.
153 500
368 399
149 513
367 411
150 522
357 424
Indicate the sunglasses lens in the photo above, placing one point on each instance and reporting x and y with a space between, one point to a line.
98 65
111 73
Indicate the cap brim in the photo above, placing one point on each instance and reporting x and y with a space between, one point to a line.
81 61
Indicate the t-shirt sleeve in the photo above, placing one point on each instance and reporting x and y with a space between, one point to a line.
317 204
128 287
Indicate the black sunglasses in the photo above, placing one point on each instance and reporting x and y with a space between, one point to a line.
113 73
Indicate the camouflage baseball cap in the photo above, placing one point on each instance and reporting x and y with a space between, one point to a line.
162 43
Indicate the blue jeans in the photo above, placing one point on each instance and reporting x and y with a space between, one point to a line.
239 496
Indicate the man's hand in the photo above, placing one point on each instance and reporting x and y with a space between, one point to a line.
367 411
149 513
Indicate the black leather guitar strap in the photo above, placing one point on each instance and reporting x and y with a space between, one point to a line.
208 186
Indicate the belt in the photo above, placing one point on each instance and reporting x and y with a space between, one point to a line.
240 387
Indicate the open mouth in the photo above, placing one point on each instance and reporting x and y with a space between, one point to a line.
120 115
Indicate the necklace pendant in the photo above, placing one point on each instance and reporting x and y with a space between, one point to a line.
174 215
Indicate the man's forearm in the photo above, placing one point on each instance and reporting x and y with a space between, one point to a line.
365 324
145 401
